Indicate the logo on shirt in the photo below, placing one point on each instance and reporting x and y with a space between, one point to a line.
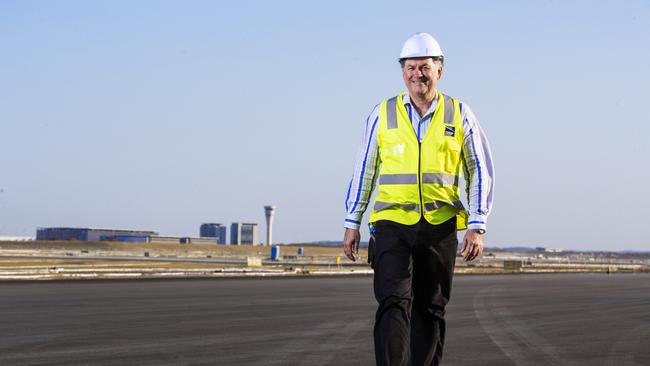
450 131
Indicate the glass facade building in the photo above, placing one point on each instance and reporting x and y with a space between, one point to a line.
244 234
213 230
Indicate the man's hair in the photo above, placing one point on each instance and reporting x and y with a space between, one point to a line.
438 59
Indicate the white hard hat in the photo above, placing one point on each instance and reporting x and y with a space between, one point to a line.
420 45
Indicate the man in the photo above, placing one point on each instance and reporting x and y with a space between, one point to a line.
416 144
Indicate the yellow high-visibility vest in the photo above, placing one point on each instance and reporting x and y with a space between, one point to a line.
416 178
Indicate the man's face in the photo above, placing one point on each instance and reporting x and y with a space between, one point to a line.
421 76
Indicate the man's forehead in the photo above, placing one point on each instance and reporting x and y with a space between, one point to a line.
418 61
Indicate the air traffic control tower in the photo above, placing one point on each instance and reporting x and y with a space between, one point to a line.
269 211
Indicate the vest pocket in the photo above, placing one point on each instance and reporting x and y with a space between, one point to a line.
450 154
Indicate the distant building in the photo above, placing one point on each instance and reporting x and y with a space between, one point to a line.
549 250
212 230
88 234
16 238
190 240
512 265
164 239
244 234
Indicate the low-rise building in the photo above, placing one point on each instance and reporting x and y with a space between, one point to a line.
89 234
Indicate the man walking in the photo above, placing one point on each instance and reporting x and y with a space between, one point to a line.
416 144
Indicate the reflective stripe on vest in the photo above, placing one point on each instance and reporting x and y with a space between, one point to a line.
391 115
449 109
402 206
398 179
431 206
443 179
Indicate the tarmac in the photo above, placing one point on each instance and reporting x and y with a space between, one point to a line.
550 319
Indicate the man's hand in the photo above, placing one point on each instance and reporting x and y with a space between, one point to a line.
472 245
351 240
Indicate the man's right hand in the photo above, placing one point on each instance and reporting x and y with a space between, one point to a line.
351 240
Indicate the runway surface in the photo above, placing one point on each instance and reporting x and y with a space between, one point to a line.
559 319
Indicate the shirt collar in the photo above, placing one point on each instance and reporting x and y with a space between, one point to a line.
406 99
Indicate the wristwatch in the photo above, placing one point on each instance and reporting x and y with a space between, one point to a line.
480 231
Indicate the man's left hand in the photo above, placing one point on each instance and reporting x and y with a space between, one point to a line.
472 245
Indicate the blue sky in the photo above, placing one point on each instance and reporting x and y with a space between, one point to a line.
163 115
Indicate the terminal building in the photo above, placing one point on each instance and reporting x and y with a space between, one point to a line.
549 250
16 238
213 230
244 234
88 234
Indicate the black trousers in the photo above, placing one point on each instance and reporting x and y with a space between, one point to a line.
414 266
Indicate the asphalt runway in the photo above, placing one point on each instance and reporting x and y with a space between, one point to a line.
558 319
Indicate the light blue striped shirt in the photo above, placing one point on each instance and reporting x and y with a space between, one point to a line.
476 151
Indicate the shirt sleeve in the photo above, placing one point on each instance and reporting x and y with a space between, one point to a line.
479 171
365 173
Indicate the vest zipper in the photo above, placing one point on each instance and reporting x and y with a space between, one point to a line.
420 178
